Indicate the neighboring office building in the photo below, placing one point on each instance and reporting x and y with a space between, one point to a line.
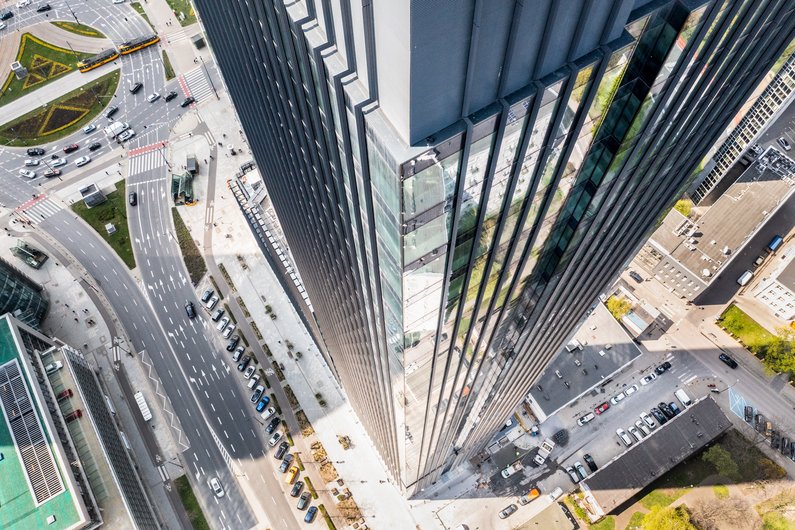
21 296
775 97
53 470
777 289
458 181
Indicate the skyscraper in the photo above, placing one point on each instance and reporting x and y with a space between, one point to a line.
458 180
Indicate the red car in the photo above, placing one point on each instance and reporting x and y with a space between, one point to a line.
601 408
65 394
72 416
71 148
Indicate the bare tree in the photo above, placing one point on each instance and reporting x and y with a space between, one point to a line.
721 513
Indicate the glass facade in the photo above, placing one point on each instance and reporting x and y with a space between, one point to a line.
21 296
446 272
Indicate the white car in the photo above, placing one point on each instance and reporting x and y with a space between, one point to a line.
510 470
642 427
23 3
53 367
228 331
222 324
153 97
118 1
89 128
126 135
58 162
211 303
3 25
631 390
267 413
249 371
648 379
648 420
585 419
634 432
31 162
618 397
28 174
624 437
275 439
214 483
82 161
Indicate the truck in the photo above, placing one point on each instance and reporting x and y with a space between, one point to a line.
142 406
774 244
683 398
745 278
510 470
543 452
116 128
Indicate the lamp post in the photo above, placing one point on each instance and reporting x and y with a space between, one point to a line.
72 12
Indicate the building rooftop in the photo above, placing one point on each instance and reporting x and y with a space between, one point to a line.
787 276
644 462
703 247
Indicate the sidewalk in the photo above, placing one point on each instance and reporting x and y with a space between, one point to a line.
175 39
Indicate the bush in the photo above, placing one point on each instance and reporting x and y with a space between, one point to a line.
684 206
318 452
349 510
291 397
618 307
328 472
722 461
303 424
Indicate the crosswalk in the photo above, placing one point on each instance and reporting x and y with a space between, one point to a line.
196 84
38 209
177 36
146 161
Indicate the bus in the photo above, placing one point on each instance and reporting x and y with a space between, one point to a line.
99 59
137 44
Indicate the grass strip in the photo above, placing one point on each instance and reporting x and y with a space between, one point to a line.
194 261
114 210
167 67
326 517
62 116
140 10
79 29
310 487
191 504
183 10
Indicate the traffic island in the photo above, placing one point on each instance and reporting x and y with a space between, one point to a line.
78 29
191 504
61 116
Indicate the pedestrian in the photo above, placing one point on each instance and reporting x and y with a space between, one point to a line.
205 160
67 305
76 320
106 171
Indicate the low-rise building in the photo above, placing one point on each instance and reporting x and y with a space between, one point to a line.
777 289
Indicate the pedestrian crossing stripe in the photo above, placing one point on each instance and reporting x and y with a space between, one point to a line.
39 210
197 84
145 162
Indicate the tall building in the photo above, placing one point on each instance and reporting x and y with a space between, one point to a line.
458 180
21 296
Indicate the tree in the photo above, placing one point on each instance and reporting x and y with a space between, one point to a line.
780 352
684 206
668 518
618 306
719 513
723 462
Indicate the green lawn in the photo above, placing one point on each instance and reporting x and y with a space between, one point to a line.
658 497
636 521
193 259
191 504
738 323
62 116
140 10
114 210
167 67
45 63
721 491
79 29
608 523
183 8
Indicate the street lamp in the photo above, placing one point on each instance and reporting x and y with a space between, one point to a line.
72 12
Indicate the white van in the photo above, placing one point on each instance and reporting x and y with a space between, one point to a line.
745 278
683 398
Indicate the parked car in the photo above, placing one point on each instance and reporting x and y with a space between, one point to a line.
217 315
624 437
64 394
784 143
785 443
303 500
658 415
617 398
296 490
647 420
312 511
58 162
666 410
28 174
35 151
267 413
257 393
215 484
731 363
775 440
136 87
5 15
748 414
171 95
292 473
190 310
631 390
272 425
72 416
94 146
53 367
71 148
601 408
585 419
642 428
89 128
188 101
249 371
153 97
274 439
573 475
648 379
288 459
133 198
222 324
283 447
241 366
52 173
211 303
238 353
664 367
3 25
674 408
254 381
232 344
206 295
82 161
506 512
590 462
580 469
635 276
263 402
228 331
634 432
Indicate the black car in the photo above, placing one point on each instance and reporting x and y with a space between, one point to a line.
775 440
243 363
288 459
590 462
272 425
171 95
731 363
666 409
297 487
303 500
257 393
749 414
5 15
190 310
94 146
136 87
658 415
674 408
52 173
232 344
71 148
664 367
635 276
785 443
42 9
35 151
283 447
206 295
111 112
188 101
132 198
